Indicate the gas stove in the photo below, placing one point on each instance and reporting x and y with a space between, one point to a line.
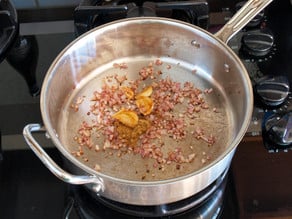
31 191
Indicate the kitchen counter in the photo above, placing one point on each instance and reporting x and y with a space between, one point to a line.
262 181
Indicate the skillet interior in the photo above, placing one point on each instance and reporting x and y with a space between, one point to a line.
132 166
79 68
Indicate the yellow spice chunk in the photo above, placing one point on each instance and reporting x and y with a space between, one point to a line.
127 117
145 105
145 93
128 92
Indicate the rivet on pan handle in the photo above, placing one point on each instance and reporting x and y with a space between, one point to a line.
246 13
52 166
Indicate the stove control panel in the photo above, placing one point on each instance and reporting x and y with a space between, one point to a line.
256 46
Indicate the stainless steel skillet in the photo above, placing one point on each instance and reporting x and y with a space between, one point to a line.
146 38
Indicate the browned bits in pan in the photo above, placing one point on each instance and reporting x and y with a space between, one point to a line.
132 117
158 62
120 65
75 105
97 167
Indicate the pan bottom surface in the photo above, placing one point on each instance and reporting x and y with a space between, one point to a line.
216 120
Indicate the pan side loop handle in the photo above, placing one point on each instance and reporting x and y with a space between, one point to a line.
52 166
244 15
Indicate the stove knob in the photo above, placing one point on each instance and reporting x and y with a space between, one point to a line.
272 90
277 131
257 43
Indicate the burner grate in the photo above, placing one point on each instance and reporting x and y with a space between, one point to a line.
90 14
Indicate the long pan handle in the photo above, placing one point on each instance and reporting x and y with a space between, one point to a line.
246 13
52 166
